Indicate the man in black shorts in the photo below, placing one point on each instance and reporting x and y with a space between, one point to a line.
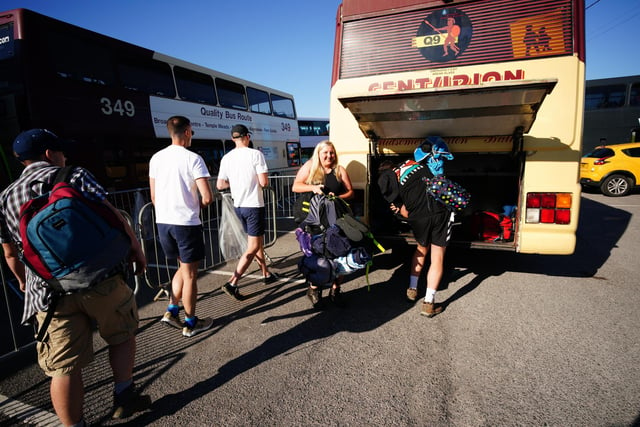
430 221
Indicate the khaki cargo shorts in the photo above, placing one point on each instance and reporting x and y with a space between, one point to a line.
68 342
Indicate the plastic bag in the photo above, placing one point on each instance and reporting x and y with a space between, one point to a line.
231 236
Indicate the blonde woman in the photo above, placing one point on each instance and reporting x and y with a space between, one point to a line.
323 175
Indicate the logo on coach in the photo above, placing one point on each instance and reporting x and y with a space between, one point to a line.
443 35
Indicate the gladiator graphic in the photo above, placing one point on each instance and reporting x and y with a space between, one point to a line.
453 31
443 35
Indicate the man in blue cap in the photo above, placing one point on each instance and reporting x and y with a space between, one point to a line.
67 346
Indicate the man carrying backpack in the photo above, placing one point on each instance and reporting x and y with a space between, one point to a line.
430 221
67 345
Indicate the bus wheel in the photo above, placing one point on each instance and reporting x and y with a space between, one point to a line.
616 186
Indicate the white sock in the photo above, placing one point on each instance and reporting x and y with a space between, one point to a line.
413 282
431 295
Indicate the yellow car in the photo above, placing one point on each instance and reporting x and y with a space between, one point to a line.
614 169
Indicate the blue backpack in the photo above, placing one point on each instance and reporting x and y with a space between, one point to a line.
69 241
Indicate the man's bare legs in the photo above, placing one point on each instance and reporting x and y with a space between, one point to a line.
184 286
434 276
67 397
67 391
255 249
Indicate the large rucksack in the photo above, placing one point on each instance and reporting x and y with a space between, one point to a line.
331 238
69 241
326 238
301 206
322 212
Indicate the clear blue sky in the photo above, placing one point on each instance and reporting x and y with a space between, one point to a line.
288 44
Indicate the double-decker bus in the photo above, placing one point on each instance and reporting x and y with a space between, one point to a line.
611 111
113 98
312 131
501 81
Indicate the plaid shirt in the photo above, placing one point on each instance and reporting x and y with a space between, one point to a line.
30 183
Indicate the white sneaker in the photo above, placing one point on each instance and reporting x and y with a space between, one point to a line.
201 325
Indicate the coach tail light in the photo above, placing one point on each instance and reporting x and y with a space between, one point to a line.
548 208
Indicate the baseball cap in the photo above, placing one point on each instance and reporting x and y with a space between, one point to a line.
31 144
239 130
422 151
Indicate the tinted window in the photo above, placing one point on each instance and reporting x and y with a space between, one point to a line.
195 87
152 77
283 107
632 152
6 41
258 101
598 97
85 61
211 151
601 152
634 96
231 95
229 145
293 153
313 127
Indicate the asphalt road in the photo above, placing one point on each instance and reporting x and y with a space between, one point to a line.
524 340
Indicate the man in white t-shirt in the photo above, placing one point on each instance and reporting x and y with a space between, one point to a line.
245 171
179 183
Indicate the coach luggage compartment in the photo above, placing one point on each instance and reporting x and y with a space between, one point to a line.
492 179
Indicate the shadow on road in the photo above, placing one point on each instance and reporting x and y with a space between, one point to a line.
375 306
599 231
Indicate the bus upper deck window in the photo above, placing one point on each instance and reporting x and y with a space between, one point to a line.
258 101
231 94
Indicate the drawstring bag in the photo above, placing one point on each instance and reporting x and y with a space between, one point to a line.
231 235
451 194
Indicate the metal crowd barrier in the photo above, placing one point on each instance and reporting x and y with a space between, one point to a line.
285 199
136 207
160 269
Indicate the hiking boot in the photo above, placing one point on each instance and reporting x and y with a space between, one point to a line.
171 320
315 296
129 402
412 294
271 278
336 297
232 291
200 326
430 309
